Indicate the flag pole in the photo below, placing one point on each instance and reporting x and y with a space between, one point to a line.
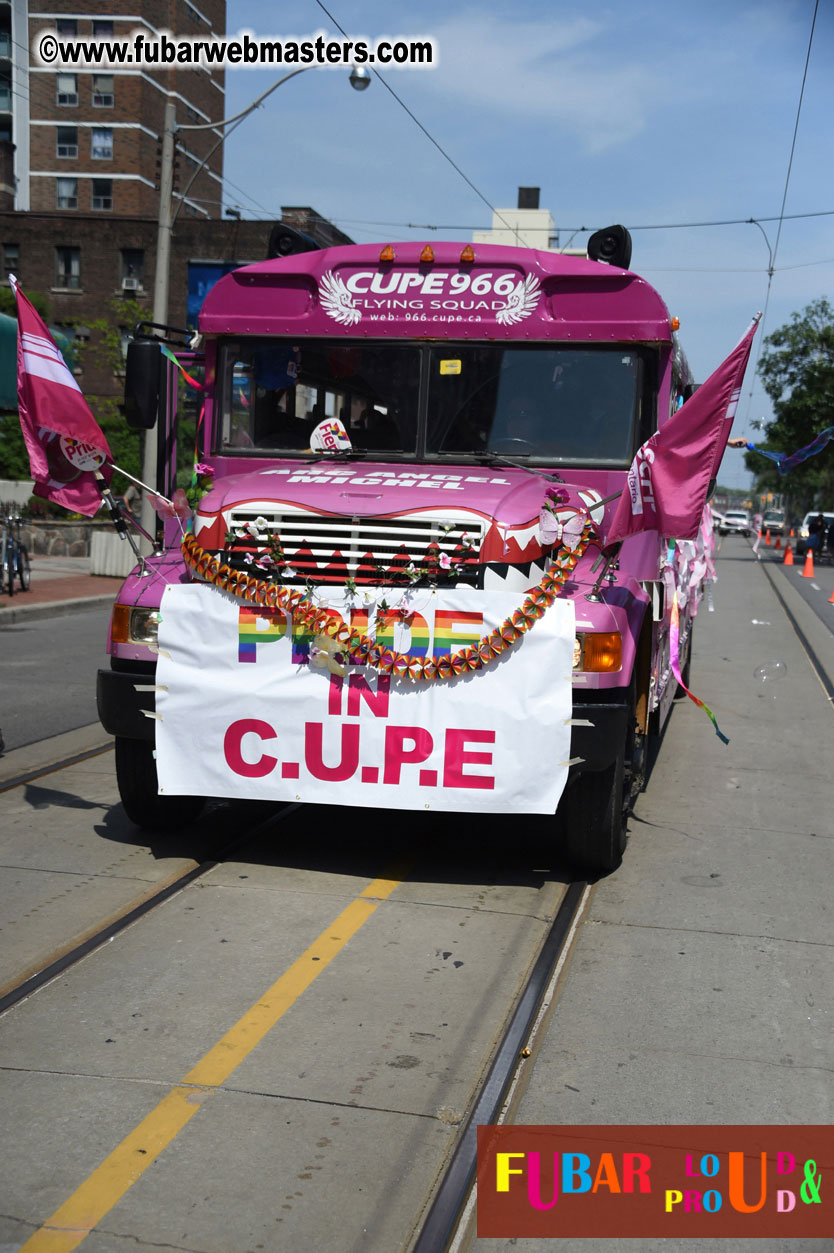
116 515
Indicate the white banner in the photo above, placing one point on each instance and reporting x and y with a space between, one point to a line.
242 712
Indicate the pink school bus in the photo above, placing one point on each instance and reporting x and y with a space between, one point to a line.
412 453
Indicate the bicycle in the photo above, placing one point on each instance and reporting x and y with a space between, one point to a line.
14 558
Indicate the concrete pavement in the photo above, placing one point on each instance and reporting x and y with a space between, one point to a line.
701 987
58 585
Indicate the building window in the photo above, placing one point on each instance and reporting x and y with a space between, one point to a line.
68 268
102 28
102 193
66 193
67 88
67 141
133 269
5 96
67 27
5 42
103 91
102 144
11 258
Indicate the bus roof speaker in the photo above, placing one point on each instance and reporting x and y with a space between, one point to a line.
611 245
286 241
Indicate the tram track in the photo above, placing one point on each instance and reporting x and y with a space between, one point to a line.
109 929
513 1017
818 666
449 1206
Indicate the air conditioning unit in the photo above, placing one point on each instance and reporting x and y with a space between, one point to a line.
131 284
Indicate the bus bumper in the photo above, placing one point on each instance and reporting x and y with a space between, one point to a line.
122 711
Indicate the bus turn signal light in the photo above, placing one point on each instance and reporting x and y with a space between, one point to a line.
602 651
134 624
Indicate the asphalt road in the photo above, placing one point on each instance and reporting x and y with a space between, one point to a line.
48 672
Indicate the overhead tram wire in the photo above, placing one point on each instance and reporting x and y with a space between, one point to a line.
428 135
781 219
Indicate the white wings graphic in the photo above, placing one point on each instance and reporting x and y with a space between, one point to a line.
337 301
521 301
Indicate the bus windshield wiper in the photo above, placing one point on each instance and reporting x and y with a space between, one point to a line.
495 459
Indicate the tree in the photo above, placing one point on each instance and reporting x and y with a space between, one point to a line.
8 303
797 372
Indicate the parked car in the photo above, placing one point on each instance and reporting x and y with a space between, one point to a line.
802 536
735 521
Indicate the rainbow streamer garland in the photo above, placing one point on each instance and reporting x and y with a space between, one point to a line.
362 649
166 352
674 648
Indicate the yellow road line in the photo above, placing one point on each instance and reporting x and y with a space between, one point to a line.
76 1218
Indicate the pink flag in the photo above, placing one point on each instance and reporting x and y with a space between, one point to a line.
63 439
669 478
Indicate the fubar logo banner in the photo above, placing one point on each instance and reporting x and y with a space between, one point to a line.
245 708
652 1182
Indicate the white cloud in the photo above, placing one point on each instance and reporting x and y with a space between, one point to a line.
558 72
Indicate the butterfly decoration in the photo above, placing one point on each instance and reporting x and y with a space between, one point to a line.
327 654
176 508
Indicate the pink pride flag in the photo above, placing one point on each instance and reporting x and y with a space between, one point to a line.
669 479
65 443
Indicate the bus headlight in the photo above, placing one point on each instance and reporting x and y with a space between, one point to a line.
599 651
135 624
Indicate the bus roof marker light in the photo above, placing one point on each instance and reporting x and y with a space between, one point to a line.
675 324
387 253
427 254
468 253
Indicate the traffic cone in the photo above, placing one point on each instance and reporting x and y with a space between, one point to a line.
767 539
831 599
788 554
808 572
778 541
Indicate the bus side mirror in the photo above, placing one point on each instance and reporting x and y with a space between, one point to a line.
142 376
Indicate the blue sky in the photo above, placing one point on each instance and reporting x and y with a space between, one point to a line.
646 114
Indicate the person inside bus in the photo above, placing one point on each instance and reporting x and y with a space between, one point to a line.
375 431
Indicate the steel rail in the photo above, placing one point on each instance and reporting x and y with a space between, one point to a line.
818 667
113 927
62 764
450 1197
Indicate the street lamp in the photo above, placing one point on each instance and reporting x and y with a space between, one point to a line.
359 80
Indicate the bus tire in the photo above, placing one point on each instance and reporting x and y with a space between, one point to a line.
138 789
594 815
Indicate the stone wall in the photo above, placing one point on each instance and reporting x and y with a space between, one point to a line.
60 539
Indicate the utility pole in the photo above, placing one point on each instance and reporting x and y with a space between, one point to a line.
160 288
360 78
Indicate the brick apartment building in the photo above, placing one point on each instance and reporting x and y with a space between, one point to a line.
84 263
79 170
88 142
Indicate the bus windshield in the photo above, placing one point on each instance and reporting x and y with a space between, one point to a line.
544 402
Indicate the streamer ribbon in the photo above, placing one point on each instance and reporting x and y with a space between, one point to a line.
674 649
192 382
785 462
